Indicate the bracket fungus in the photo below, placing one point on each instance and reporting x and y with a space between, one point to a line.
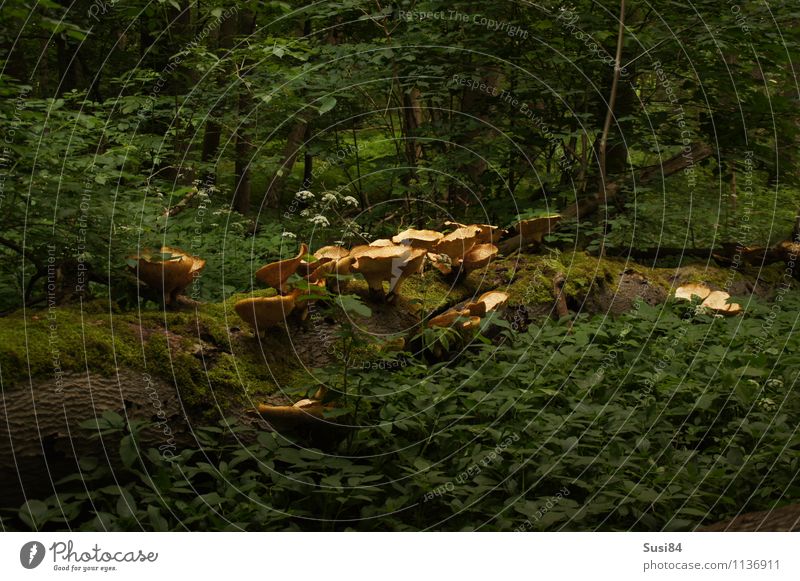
388 263
716 301
426 239
488 302
530 231
170 272
458 243
487 234
305 412
448 318
334 252
276 274
381 242
473 312
533 230
478 257
262 313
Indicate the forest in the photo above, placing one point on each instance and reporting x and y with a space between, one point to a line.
359 265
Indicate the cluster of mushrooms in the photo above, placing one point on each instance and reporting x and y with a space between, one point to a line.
169 271
714 301
464 249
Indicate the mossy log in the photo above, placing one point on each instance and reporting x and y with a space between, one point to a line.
62 366
780 520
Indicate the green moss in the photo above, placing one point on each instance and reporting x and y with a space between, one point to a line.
528 278
166 342
237 367
44 342
431 292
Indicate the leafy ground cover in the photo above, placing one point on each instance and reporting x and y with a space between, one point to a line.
661 419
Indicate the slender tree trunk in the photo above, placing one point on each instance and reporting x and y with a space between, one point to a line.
213 131
299 133
294 143
612 97
244 149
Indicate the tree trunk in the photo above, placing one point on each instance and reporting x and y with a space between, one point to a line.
612 98
244 149
213 131
294 142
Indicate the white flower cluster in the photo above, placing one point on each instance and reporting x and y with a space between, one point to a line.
317 208
320 220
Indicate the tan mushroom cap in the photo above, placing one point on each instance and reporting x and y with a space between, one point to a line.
276 273
472 323
302 413
488 233
171 275
306 268
534 229
390 263
381 242
356 251
334 252
418 238
344 264
479 256
687 291
323 269
494 300
457 243
265 312
717 301
321 256
447 318
488 302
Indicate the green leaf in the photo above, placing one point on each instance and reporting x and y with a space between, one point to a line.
326 105
127 451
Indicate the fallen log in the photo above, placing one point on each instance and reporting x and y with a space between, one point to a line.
587 206
785 519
